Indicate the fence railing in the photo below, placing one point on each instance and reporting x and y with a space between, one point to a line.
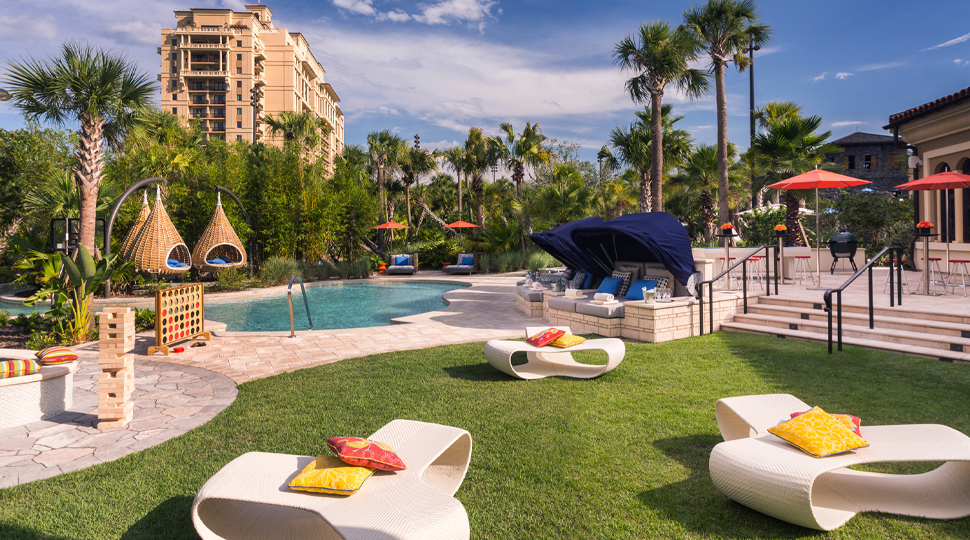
895 290
743 263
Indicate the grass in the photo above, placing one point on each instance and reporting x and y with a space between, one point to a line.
622 456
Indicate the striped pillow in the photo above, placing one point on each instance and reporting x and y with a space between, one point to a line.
56 355
18 368
627 278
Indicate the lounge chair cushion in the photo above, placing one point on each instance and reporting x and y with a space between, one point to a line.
461 266
561 303
610 285
818 434
605 311
588 282
366 453
327 474
567 340
545 337
18 368
402 267
854 423
636 288
57 355
661 280
529 294
466 260
175 263
401 260
577 280
627 277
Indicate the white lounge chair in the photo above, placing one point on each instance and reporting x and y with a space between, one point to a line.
249 497
767 474
551 361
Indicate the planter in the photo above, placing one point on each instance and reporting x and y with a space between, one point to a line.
924 231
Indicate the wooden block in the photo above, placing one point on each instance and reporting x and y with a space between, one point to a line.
118 339
116 362
113 424
117 310
115 410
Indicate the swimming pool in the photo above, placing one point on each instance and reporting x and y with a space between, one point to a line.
354 305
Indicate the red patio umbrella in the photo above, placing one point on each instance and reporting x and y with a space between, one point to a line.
814 180
460 225
936 182
391 225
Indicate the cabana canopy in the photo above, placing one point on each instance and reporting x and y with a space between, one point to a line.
219 246
558 243
158 248
647 237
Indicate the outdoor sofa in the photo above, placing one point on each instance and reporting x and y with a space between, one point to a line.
467 264
410 265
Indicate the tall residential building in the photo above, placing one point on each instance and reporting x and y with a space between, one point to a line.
214 58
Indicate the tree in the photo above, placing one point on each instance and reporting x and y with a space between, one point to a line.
385 150
100 91
482 152
304 127
457 158
414 163
698 180
725 28
567 199
660 56
522 150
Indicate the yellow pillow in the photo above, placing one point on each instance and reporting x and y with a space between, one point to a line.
567 340
327 474
818 434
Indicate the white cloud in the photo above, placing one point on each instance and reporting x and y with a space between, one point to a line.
707 126
447 11
848 123
886 65
843 75
397 16
961 62
820 77
364 7
955 41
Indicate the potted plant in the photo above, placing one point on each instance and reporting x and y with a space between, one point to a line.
727 229
780 231
923 228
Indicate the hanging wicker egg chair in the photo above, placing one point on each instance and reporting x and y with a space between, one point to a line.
159 248
129 242
219 246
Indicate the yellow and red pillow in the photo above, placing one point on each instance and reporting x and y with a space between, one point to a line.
18 368
851 422
327 474
545 337
366 453
56 355
567 340
818 434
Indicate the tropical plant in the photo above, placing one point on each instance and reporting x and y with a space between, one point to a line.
524 149
302 128
568 199
100 91
481 152
725 29
385 150
659 55
698 177
144 319
415 162
484 263
37 268
457 158
4 318
230 279
278 270
40 340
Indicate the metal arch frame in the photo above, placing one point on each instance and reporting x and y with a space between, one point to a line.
245 214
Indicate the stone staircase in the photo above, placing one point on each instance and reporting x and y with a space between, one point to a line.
936 335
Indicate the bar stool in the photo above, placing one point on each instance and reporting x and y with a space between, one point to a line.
904 282
934 268
733 274
803 270
757 271
954 265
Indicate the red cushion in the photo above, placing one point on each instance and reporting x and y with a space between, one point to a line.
366 453
842 417
56 355
545 337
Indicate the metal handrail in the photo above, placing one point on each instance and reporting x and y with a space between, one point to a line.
744 283
289 298
895 254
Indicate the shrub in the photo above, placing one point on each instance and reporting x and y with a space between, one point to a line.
4 318
359 269
144 319
758 227
484 263
436 253
229 279
504 262
279 270
27 323
541 259
40 340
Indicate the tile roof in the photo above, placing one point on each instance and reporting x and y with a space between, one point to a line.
864 138
927 108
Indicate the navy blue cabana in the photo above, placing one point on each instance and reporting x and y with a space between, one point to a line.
646 237
558 243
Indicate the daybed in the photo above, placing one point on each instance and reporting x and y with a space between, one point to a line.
467 263
771 476
551 361
410 266
249 498
39 396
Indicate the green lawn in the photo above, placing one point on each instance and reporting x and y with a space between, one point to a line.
622 456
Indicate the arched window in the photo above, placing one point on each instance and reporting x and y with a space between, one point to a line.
942 167
964 165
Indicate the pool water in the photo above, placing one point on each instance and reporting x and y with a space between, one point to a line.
357 305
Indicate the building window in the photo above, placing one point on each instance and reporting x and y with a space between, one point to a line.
175 41
848 162
239 57
174 83
175 69
238 43
175 110
239 71
893 161
239 137
870 162
238 97
238 124
175 97
175 56
238 84
238 110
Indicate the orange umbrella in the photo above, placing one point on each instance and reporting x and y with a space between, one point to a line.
936 182
460 225
814 180
391 225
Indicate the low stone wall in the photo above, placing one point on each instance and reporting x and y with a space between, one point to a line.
36 397
530 309
651 323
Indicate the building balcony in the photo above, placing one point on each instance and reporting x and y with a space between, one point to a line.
218 128
200 102
209 88
217 46
205 59
219 100
205 30
200 115
203 73
257 53
259 79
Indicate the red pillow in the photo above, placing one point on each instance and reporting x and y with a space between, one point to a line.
545 337
851 422
366 453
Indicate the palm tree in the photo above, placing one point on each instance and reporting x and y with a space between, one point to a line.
304 128
567 199
457 158
725 28
481 152
789 148
659 56
524 149
385 150
100 91
698 179
774 112
414 163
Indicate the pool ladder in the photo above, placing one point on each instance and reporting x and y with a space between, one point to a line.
289 298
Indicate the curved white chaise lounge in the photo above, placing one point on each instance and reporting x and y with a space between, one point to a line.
249 499
771 476
550 361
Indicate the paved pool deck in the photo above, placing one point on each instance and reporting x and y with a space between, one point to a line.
177 393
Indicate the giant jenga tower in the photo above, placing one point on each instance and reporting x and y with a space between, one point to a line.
117 362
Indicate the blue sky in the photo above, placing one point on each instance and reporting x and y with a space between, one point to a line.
437 67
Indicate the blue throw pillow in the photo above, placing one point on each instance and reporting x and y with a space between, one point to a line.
401 260
636 288
588 282
610 285
466 260
175 263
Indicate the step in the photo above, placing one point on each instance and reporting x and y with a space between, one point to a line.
912 324
899 337
898 312
801 335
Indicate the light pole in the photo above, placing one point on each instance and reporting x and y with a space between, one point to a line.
755 194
